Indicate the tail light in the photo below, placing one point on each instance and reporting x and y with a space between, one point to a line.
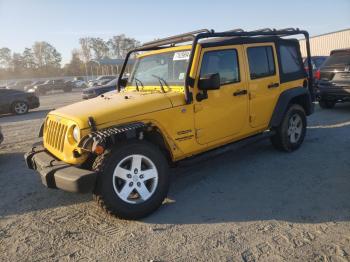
317 75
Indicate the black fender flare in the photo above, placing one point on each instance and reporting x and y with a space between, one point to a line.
100 136
301 94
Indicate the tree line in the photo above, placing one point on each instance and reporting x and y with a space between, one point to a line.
43 59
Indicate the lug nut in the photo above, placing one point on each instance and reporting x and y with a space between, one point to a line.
138 184
141 176
128 175
131 184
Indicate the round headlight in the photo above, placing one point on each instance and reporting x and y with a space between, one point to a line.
76 133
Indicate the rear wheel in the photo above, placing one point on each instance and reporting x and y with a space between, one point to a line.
291 132
20 108
327 104
132 180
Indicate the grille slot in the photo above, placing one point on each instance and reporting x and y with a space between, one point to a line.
55 134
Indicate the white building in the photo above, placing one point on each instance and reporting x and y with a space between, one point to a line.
325 43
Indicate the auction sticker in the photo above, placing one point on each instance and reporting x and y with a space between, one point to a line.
184 55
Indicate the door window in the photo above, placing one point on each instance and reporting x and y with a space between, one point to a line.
261 61
224 62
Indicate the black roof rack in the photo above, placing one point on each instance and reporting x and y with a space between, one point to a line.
186 37
197 35
190 36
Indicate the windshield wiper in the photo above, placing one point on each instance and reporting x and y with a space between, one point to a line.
136 82
161 81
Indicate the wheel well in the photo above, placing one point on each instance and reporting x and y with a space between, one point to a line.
150 134
155 137
302 100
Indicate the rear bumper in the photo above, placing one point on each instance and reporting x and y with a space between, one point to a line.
333 92
57 174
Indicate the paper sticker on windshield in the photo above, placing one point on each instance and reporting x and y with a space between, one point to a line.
184 55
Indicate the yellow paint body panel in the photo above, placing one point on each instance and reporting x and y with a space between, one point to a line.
188 129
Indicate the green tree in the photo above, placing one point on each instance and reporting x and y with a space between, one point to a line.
76 65
120 45
5 57
99 47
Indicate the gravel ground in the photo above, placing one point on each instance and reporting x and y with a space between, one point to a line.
257 204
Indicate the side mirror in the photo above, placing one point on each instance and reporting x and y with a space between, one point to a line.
123 82
209 82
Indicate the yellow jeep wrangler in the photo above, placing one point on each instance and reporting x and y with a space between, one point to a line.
187 95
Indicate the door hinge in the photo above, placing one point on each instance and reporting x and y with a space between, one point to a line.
252 118
198 132
251 96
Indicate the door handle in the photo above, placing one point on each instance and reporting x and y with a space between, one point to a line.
273 85
240 92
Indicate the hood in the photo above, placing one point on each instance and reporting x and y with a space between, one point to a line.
113 107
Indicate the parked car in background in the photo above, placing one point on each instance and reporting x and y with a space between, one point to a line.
334 79
17 102
316 62
95 91
50 85
101 80
19 85
1 136
79 83
76 83
30 86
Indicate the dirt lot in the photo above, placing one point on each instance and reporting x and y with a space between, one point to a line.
259 204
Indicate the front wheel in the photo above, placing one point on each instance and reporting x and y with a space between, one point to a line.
291 132
132 180
20 108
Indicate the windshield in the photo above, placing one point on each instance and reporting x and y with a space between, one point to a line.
168 68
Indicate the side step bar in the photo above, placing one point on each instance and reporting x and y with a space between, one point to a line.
230 147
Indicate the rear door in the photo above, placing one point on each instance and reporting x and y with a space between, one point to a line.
263 79
223 114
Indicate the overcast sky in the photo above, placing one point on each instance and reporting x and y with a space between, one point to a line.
63 22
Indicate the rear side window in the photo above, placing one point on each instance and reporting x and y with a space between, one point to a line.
224 62
261 61
290 61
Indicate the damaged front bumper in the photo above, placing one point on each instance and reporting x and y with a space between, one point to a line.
58 174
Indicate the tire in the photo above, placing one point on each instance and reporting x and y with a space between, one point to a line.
124 191
327 104
291 132
19 108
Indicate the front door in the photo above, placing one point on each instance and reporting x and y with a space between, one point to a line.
224 112
263 82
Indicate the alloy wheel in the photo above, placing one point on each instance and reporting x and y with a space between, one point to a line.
295 128
135 179
21 108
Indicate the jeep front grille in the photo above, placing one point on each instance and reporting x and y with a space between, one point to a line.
55 134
